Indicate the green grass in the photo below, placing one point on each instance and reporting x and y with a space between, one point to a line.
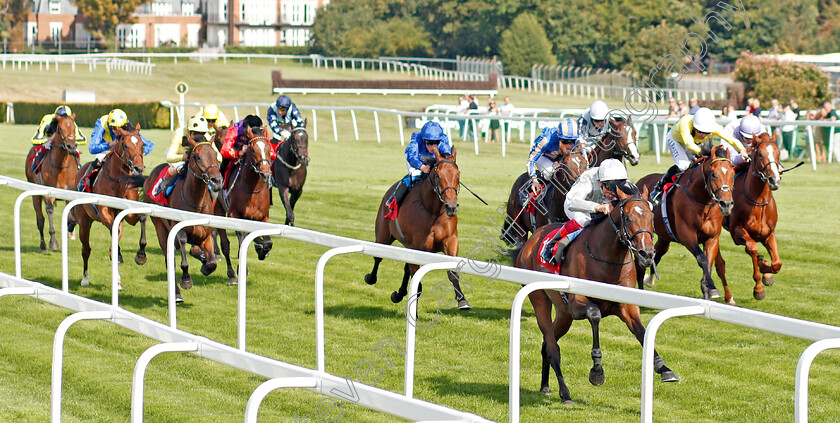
728 373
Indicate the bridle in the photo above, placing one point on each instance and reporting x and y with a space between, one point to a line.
65 146
202 174
760 173
255 165
621 232
128 161
302 159
623 149
436 175
707 177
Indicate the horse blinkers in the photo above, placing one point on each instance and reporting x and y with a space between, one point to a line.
718 194
644 255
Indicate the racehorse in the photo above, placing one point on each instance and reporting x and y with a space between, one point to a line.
753 217
290 169
120 176
248 195
695 205
58 169
619 143
427 221
196 192
547 206
602 252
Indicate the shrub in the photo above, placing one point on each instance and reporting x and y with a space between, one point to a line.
768 78
292 50
148 114
525 44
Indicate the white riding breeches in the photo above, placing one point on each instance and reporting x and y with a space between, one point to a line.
177 165
101 156
412 171
545 167
581 218
734 155
682 157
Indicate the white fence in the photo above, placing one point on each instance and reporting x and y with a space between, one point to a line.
91 61
287 375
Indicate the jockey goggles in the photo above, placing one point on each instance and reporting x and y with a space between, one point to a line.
431 142
282 109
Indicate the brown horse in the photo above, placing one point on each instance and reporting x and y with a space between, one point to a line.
290 169
248 196
427 221
58 169
120 176
753 218
549 209
695 205
602 252
619 143
196 192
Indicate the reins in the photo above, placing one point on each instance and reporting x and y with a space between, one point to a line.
620 229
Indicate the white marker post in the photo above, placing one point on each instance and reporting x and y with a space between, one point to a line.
181 88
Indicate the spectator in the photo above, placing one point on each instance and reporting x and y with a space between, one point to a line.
756 108
787 131
828 114
506 110
775 112
694 106
492 134
794 107
724 112
683 108
463 108
673 110
470 124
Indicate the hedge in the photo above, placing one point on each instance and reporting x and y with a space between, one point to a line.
292 50
148 115
277 81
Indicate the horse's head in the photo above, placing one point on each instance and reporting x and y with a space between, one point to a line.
632 220
65 134
258 156
719 177
569 168
300 143
765 160
204 164
446 181
129 148
622 140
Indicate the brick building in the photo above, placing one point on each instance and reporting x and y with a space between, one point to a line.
260 22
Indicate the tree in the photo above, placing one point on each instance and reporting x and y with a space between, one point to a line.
525 44
12 14
767 78
654 54
103 16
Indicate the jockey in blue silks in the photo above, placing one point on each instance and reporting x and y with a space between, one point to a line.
283 115
552 144
420 151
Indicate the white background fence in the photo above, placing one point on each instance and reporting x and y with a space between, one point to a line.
287 375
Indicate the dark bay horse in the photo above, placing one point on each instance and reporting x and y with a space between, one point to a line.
603 252
120 176
58 169
290 169
696 205
619 143
427 221
519 223
249 195
196 192
753 218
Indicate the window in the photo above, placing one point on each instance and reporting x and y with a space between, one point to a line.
160 8
55 31
32 33
188 9
55 7
224 12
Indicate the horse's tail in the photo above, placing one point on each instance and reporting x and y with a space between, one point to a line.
132 181
514 254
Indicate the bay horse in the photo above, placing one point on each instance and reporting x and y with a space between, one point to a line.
753 218
619 143
696 204
604 251
290 169
249 196
58 169
427 221
549 209
196 192
120 176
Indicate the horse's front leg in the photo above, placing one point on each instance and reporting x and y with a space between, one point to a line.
629 314
751 248
450 248
209 265
408 272
140 257
542 310
720 268
772 268
225 244
290 213
706 283
50 206
596 374
39 220
181 242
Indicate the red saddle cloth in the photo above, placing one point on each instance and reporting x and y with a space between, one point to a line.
550 266
37 149
159 195
86 184
394 210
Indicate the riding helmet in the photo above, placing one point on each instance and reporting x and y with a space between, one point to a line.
568 129
431 131
211 111
704 120
598 110
749 126
284 102
63 110
197 124
117 118
611 170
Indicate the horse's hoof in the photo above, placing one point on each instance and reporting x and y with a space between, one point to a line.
669 376
54 245
207 269
568 402
186 283
233 281
705 292
396 297
119 258
370 279
731 301
44 251
759 295
464 305
262 257
596 377
178 298
85 282
649 281
140 258
714 293
545 390
119 286
767 279
72 235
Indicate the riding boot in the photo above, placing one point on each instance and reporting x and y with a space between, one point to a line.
167 183
38 157
656 193
562 239
93 166
398 196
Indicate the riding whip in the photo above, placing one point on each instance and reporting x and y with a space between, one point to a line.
797 165
474 194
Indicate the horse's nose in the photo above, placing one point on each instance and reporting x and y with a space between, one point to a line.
646 257
451 211
726 207
633 160
215 183
774 183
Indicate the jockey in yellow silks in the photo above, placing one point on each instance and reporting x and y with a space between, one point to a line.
179 149
47 128
216 120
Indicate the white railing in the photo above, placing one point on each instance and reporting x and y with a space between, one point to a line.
400 405
583 89
92 61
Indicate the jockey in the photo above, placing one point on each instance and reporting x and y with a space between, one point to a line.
237 138
743 130
592 125
683 140
180 147
422 147
592 193
103 139
548 147
283 115
216 120
47 128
